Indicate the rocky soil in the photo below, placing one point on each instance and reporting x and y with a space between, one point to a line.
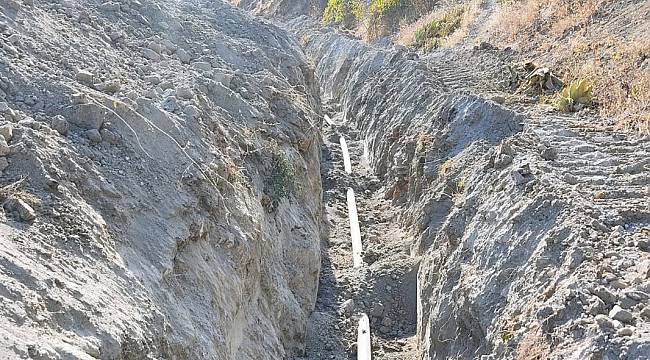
156 182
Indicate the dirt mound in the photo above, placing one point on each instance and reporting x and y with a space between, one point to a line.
155 182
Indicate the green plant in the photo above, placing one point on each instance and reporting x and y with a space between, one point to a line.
383 7
506 335
281 182
424 141
460 186
574 97
338 11
429 36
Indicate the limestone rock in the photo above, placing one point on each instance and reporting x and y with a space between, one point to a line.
620 314
85 77
7 131
93 135
60 124
24 211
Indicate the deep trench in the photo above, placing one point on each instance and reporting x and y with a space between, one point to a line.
384 286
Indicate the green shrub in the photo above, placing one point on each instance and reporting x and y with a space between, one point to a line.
428 36
383 7
574 97
281 182
338 11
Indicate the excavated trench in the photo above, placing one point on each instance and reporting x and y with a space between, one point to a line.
472 245
169 206
382 286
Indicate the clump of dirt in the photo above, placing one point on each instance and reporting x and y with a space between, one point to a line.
137 138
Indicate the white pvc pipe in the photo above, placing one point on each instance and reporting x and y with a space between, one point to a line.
347 164
329 120
355 231
364 350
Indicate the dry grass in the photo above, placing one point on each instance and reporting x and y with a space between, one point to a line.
585 39
407 33
445 168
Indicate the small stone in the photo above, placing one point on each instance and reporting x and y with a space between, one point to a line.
545 312
636 295
596 306
8 112
224 79
644 269
484 45
605 295
151 55
625 331
115 35
7 131
30 100
643 244
518 177
93 135
570 179
597 225
192 111
387 321
13 39
24 211
166 85
170 103
152 79
60 124
110 6
202 66
618 284
547 152
604 321
85 77
79 98
4 147
620 314
184 92
4 163
88 116
109 136
155 47
111 86
183 56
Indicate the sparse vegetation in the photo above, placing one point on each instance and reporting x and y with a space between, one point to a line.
430 35
583 41
575 96
423 143
343 11
281 181
377 17
445 168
